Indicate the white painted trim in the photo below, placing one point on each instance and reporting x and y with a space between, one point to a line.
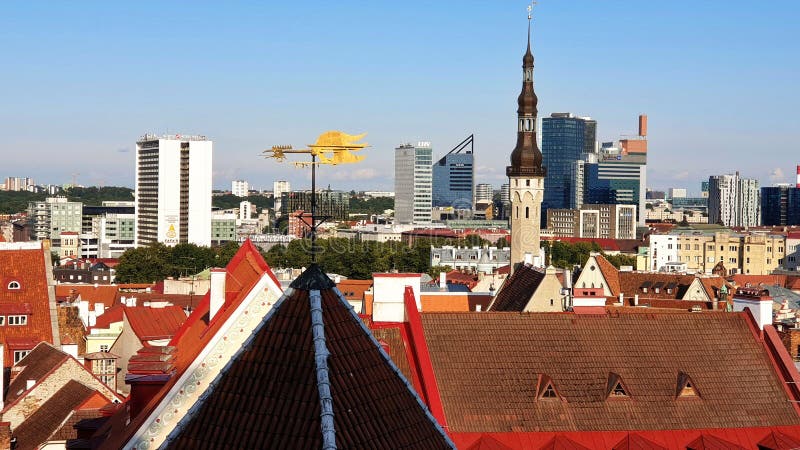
206 366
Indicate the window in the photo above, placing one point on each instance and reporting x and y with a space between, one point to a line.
17 320
104 347
14 285
2 320
19 354
549 392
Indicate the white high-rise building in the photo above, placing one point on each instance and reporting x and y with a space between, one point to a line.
734 201
483 193
173 190
413 183
278 188
240 188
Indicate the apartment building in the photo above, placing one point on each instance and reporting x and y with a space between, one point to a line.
594 221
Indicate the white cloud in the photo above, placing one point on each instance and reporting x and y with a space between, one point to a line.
355 175
684 175
777 175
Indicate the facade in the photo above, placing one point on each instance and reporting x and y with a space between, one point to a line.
594 221
333 204
173 190
617 178
470 259
674 193
108 230
565 139
454 177
748 253
413 182
223 228
483 193
240 188
780 205
278 188
733 201
526 174
52 217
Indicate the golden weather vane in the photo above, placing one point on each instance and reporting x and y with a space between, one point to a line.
332 148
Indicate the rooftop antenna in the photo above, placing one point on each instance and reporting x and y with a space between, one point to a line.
332 148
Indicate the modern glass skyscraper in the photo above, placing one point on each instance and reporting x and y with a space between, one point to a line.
780 205
564 139
413 183
454 177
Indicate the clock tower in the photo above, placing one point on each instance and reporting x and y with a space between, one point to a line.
526 174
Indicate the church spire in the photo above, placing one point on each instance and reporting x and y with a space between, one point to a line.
526 159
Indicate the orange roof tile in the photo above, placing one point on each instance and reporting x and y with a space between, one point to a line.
155 323
354 289
610 273
105 294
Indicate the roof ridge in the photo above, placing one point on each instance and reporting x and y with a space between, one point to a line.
321 354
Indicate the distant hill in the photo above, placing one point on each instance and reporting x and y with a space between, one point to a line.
12 202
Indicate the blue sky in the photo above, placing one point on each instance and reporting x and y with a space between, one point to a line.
81 81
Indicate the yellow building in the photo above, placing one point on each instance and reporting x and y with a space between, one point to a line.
754 254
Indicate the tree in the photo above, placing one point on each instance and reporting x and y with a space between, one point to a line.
225 252
503 242
144 264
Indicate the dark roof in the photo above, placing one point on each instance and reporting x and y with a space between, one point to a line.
518 289
47 419
269 394
39 362
487 366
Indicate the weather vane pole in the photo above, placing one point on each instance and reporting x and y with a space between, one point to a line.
332 148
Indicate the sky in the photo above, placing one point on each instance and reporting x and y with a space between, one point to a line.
80 82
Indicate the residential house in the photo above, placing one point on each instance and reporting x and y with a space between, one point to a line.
47 389
28 313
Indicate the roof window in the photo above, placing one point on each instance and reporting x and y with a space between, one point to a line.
615 388
686 387
546 390
14 285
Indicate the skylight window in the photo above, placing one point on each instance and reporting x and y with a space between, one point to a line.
14 285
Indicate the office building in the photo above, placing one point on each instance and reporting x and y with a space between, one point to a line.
677 193
454 177
780 205
594 221
223 227
240 188
526 174
413 183
108 230
278 188
334 205
733 201
484 192
565 138
173 190
53 216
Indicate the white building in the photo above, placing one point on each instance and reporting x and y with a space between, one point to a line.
734 201
662 251
240 188
413 183
483 193
246 210
173 190
278 188
677 193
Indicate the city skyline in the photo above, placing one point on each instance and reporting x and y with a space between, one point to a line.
715 80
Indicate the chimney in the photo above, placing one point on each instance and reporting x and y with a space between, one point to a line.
798 177
643 125
217 291
442 280
758 301
636 300
29 384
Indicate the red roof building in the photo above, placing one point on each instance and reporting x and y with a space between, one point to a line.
277 363
625 378
27 300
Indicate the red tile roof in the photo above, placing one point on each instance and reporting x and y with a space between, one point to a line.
40 361
756 280
103 293
711 442
610 273
28 268
243 272
779 441
155 323
634 441
373 407
486 366
354 289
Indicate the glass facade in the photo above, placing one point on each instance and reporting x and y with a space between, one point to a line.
453 181
617 179
780 205
413 183
564 139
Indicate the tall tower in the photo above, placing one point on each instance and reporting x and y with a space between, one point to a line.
526 174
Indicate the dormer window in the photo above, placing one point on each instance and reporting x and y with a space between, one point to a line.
615 388
546 390
686 387
14 285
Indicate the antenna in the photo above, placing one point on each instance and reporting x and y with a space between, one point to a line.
530 9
